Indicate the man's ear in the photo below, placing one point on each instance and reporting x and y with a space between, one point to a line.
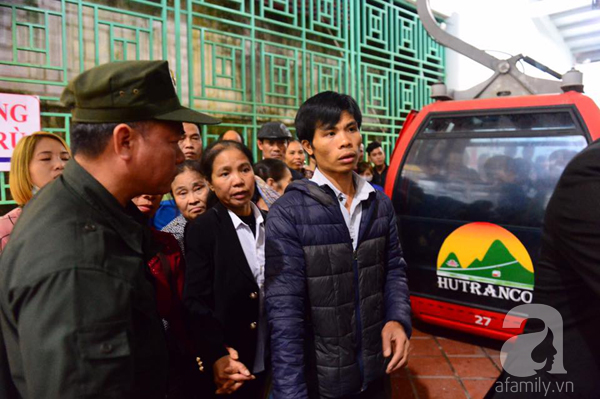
260 144
308 148
124 139
271 182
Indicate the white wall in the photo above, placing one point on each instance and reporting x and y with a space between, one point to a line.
506 26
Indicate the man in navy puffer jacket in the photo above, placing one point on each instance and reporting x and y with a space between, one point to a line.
336 291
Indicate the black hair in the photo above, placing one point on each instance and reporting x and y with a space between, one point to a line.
217 147
223 134
91 139
189 164
270 168
362 167
324 109
373 145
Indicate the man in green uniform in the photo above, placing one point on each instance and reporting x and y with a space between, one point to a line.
77 303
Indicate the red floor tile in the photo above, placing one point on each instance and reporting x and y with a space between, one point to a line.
495 355
402 389
400 374
430 366
474 367
418 333
491 351
424 347
452 348
478 388
443 388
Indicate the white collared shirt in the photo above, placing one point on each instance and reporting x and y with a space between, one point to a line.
352 217
253 246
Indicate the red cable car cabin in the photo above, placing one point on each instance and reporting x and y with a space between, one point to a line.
470 181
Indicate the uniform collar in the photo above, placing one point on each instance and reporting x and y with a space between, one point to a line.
128 221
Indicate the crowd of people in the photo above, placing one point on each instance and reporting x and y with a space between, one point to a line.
140 263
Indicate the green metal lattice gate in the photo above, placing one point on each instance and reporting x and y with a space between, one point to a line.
245 61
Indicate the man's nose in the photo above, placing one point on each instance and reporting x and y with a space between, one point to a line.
344 140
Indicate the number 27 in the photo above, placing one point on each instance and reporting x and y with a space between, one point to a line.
482 321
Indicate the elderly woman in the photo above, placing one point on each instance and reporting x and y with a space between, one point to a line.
190 193
37 160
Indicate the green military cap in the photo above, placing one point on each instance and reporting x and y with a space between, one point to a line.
128 91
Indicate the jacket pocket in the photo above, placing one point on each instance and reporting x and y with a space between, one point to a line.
102 344
105 361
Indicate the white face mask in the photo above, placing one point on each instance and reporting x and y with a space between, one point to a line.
368 178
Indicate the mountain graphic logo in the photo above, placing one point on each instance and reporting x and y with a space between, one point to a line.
486 253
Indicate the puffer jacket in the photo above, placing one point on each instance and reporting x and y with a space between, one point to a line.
326 303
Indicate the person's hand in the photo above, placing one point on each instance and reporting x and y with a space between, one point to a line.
230 373
395 341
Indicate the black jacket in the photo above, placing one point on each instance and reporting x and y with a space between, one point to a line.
77 301
220 293
379 178
325 302
567 278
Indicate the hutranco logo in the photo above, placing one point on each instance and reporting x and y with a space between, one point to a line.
548 342
485 259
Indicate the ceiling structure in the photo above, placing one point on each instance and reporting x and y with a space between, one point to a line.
577 21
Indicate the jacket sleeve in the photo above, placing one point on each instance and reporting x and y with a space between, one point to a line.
75 333
572 220
198 294
285 290
397 297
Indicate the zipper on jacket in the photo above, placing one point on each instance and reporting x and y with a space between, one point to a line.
357 312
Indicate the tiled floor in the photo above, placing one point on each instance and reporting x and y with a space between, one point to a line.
447 364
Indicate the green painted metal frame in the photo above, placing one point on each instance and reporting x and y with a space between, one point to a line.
245 61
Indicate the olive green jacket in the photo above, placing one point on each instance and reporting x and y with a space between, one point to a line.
77 302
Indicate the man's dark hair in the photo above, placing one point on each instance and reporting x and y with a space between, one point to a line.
324 109
91 139
214 149
270 168
373 145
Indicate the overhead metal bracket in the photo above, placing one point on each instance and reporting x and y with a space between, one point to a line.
507 80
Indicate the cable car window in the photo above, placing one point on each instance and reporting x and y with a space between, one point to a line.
507 180
539 122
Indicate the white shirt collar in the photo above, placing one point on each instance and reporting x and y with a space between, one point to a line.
363 188
237 221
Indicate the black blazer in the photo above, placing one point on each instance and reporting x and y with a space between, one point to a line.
220 293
